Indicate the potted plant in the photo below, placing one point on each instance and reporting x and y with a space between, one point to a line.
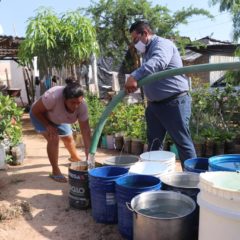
11 130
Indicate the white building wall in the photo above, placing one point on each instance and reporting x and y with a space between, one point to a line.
214 75
11 74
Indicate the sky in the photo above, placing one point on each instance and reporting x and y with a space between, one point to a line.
15 13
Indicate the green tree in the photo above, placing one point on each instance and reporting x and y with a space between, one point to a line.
112 19
233 6
57 41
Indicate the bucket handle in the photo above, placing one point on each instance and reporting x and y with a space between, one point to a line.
128 205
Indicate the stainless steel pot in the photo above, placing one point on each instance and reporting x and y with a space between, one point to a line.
163 215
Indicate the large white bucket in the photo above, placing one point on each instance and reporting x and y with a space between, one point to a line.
149 168
163 157
219 201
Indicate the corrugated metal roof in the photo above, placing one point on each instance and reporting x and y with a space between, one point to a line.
9 47
191 56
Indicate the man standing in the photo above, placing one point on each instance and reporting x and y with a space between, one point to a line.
169 103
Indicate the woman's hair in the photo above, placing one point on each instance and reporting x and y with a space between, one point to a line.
140 25
73 90
69 80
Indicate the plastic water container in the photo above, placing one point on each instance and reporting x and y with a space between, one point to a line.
128 187
79 193
149 168
102 190
184 182
219 201
197 165
187 184
163 157
227 162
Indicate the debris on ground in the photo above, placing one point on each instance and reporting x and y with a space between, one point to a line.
14 210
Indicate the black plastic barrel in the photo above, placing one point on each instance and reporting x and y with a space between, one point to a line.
102 189
79 194
197 165
128 187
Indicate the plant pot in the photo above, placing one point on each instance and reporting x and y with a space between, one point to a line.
127 145
136 146
219 148
166 146
118 142
2 157
173 149
104 141
209 148
110 142
145 147
237 148
199 148
229 147
18 154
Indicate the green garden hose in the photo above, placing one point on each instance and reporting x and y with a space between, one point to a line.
147 80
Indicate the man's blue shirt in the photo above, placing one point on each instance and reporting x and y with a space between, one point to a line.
161 54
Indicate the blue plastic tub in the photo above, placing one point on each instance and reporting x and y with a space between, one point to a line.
227 162
197 165
128 187
102 190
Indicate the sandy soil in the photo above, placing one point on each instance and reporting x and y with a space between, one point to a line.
49 215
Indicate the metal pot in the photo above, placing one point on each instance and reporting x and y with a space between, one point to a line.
163 215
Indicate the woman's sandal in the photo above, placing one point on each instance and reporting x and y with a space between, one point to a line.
58 178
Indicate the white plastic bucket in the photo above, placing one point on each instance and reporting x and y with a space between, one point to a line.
219 201
163 157
149 168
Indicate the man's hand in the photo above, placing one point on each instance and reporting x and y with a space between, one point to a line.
131 85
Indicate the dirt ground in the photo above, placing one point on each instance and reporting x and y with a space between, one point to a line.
45 211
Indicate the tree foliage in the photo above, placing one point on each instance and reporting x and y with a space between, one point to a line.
58 41
112 19
233 6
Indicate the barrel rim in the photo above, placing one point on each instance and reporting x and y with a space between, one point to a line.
164 180
92 172
215 160
149 153
137 175
135 158
182 196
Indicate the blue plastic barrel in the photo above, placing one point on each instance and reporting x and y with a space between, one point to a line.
128 187
197 165
226 162
102 190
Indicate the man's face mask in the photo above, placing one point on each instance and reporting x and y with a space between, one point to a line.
140 46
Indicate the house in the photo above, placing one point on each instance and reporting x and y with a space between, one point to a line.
11 73
209 51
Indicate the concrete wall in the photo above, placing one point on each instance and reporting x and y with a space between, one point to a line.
11 74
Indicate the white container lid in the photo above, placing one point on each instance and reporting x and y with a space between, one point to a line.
158 156
149 168
222 184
